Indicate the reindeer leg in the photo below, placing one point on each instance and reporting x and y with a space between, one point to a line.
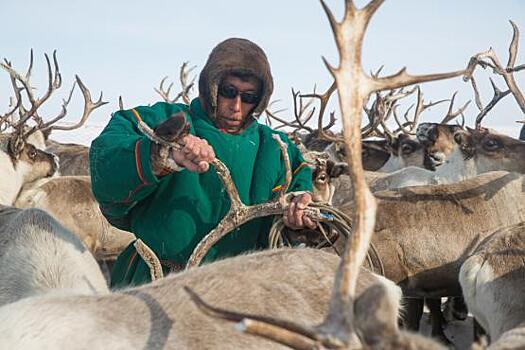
413 312
459 308
479 333
437 320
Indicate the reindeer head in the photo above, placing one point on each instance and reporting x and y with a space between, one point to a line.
323 171
404 150
492 151
438 142
28 158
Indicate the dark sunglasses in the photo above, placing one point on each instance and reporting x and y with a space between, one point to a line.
229 91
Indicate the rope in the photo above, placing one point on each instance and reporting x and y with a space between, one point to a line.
334 221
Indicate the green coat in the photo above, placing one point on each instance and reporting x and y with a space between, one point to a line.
173 213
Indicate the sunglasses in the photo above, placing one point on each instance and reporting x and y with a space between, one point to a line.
229 91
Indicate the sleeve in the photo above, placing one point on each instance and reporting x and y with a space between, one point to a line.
119 160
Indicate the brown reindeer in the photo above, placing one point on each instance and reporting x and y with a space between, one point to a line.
73 158
161 315
69 199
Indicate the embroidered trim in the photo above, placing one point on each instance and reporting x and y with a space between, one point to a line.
136 114
302 165
133 256
138 164
277 188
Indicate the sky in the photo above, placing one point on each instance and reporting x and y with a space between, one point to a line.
125 48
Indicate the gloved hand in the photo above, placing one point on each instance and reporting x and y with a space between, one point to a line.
195 155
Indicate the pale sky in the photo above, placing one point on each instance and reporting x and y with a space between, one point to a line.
126 47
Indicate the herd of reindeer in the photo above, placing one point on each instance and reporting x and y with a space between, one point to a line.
437 210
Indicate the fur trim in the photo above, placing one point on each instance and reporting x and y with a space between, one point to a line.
234 56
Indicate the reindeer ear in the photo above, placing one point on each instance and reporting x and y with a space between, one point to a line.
15 146
47 133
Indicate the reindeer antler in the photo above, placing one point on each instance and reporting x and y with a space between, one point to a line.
490 59
21 132
186 86
354 88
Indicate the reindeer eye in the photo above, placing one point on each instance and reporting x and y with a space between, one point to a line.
491 144
407 149
32 153
321 178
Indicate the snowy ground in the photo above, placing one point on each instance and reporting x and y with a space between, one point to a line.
460 333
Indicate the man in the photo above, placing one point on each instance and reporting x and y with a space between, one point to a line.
171 208
522 133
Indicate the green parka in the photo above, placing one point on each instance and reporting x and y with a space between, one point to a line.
173 213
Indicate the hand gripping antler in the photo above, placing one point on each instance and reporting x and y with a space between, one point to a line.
238 213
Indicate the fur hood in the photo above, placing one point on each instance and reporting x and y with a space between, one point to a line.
234 56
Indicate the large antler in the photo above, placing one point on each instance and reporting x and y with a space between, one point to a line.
451 114
498 95
186 86
54 82
354 88
490 59
409 126
20 127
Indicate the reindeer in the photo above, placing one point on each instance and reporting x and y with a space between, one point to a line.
73 158
39 256
459 154
70 156
22 164
69 199
161 315
492 282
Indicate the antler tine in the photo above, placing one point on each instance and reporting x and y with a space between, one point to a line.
186 88
513 47
323 103
18 97
498 95
495 64
120 103
477 97
165 94
376 74
44 126
298 111
452 115
30 67
272 115
54 82
89 107
421 106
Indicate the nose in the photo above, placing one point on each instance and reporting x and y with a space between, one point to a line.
236 104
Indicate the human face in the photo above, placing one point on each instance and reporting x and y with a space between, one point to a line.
233 112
